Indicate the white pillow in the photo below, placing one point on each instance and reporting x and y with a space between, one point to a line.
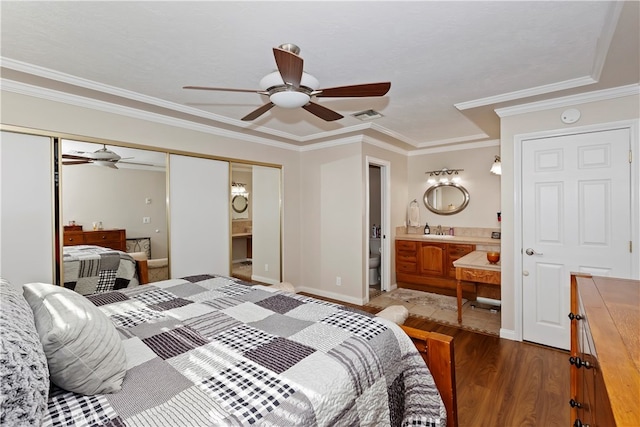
83 348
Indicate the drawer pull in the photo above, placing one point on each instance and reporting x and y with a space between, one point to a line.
575 316
579 363
578 423
575 404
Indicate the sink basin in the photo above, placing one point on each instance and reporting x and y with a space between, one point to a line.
438 236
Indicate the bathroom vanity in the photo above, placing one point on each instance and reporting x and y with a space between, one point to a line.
425 262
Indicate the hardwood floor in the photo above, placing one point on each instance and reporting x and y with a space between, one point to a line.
503 383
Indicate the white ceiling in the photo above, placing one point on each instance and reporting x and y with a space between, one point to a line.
450 63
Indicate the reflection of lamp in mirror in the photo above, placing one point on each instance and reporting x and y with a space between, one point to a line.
496 167
238 189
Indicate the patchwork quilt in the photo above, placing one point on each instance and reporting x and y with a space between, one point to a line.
93 269
215 351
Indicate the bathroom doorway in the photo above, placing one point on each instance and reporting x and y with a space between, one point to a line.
378 213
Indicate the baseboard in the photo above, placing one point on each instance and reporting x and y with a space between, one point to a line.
331 295
508 334
267 280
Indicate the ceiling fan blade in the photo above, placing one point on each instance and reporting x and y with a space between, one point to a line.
322 112
289 65
367 89
78 162
74 157
222 89
258 112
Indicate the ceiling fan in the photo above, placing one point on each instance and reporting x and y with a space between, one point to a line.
102 157
291 87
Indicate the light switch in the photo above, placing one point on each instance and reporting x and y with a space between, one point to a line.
147 200
146 220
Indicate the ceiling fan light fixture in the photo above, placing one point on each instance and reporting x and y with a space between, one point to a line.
105 163
290 99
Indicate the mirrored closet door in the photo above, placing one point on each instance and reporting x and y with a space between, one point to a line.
118 190
255 200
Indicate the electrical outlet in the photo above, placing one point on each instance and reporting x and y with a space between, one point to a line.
338 281
266 267
146 220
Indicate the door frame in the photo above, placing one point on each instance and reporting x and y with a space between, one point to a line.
518 140
385 216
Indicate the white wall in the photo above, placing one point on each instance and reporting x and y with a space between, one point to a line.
482 185
117 198
332 218
592 113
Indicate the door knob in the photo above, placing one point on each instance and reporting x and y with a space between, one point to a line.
530 252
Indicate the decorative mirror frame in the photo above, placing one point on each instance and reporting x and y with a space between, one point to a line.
433 209
240 208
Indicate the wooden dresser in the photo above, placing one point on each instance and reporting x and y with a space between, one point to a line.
113 239
605 351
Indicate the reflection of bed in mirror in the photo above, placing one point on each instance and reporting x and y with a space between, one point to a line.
97 261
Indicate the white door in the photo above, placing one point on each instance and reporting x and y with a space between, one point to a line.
576 216
199 218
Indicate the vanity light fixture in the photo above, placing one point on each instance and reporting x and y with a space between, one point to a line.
496 167
238 189
444 172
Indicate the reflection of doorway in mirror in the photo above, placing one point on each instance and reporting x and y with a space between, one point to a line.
241 227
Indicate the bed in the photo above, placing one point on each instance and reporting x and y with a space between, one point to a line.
93 269
213 350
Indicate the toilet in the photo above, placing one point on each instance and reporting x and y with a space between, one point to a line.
374 261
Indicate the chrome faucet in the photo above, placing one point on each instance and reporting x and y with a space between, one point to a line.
439 230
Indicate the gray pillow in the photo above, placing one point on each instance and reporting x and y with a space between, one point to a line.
83 348
24 379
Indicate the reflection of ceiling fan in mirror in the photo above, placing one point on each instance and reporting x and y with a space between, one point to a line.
290 87
102 157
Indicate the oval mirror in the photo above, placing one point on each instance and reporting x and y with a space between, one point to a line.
446 198
239 203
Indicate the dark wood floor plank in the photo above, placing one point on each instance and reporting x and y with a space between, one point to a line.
503 383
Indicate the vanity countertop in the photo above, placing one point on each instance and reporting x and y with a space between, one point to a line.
476 260
241 235
450 239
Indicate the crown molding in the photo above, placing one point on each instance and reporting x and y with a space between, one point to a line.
520 94
334 143
565 101
457 147
606 36
107 107
134 96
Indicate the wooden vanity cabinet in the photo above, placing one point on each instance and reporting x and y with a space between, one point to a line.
433 258
430 264
406 257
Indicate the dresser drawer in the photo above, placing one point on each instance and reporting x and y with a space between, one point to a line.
72 238
406 267
113 239
101 236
